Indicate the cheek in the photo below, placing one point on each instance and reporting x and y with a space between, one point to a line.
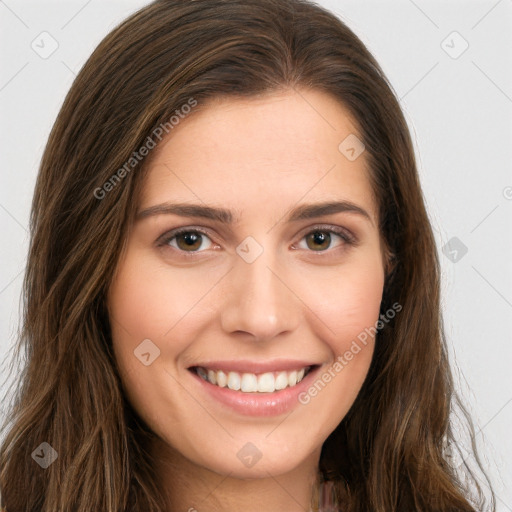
345 303
146 303
358 304
344 311
151 301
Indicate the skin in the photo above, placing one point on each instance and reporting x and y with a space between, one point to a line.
259 158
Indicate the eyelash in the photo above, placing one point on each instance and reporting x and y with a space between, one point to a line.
165 239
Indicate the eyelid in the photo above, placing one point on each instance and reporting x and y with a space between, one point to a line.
344 233
169 235
347 236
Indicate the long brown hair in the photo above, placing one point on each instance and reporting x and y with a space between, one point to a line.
389 452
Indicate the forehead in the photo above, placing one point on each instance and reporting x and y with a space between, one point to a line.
260 154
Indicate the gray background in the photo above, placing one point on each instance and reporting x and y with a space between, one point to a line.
458 103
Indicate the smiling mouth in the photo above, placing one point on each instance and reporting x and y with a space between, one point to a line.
268 382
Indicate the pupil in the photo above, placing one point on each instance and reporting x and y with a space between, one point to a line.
190 239
319 238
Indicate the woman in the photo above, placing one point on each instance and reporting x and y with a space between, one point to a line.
233 287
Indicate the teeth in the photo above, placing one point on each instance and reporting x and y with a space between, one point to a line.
250 382
234 381
266 383
281 380
222 379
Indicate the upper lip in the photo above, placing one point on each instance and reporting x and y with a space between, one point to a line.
244 366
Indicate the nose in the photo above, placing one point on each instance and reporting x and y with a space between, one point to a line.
258 300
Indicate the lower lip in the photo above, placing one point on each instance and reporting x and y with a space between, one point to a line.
258 404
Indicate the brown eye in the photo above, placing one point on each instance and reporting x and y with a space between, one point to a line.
322 239
318 240
187 241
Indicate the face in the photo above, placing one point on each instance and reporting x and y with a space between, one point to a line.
255 261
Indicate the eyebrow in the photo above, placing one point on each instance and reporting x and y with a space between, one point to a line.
302 212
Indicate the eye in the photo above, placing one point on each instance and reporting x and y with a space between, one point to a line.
190 241
187 240
321 239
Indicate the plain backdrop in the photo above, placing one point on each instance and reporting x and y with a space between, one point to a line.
450 64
